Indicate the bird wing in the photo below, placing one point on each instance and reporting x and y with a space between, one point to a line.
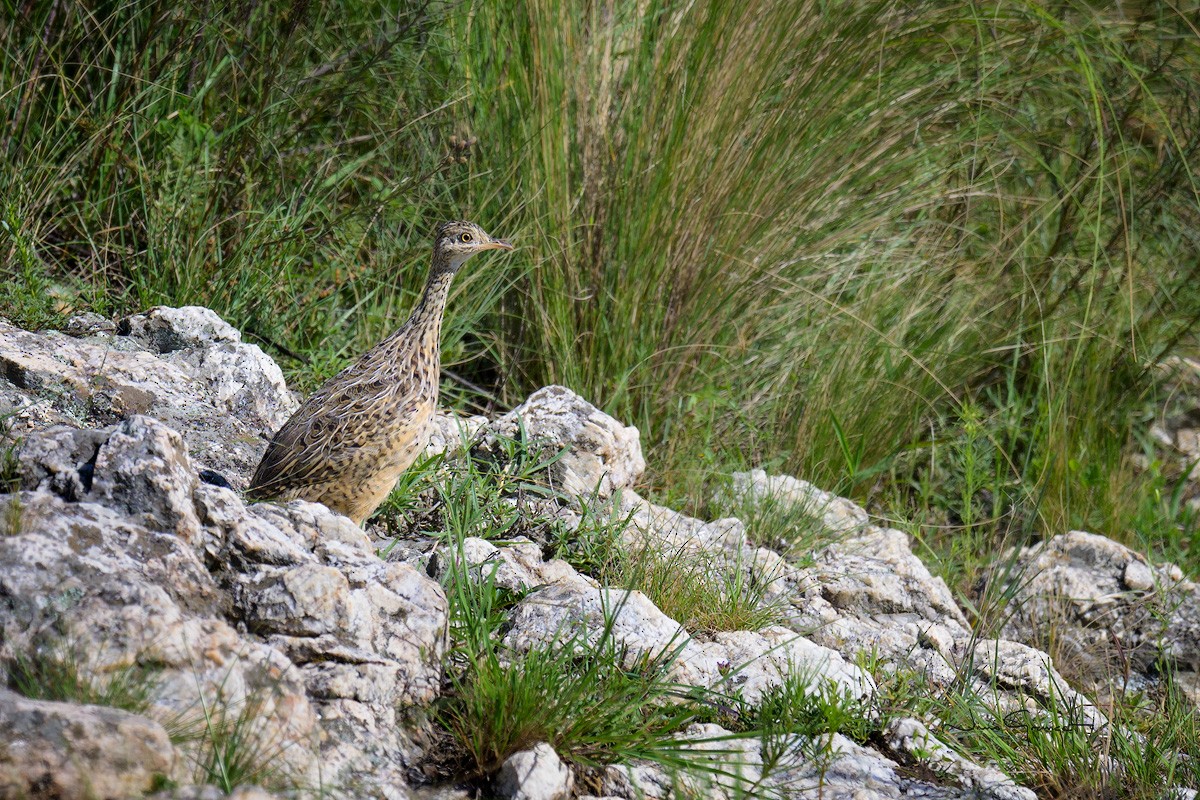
337 426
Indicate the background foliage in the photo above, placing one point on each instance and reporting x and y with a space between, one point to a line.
925 254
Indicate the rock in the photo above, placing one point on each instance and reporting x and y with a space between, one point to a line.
139 468
1009 674
88 324
240 377
836 514
725 765
582 616
365 638
871 594
866 592
1106 604
639 780
61 460
601 456
449 431
517 567
64 750
210 792
832 767
912 738
368 636
143 469
81 578
185 367
669 531
166 330
535 774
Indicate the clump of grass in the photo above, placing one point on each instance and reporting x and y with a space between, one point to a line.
232 748
10 463
805 706
584 700
589 706
489 491
58 672
10 481
703 591
789 241
231 743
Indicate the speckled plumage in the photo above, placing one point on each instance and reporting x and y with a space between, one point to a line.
354 437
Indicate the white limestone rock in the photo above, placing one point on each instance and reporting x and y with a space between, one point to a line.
184 367
79 752
912 738
1106 602
602 456
535 774
749 662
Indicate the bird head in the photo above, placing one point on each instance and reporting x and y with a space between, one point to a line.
457 241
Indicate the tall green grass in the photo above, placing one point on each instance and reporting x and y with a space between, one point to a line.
810 235
281 163
821 238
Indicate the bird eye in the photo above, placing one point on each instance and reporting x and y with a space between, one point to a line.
466 237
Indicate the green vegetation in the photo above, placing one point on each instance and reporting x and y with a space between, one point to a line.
486 492
225 740
701 590
229 743
581 699
1153 742
229 748
760 248
58 672
925 255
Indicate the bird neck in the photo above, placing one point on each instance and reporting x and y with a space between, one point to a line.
427 316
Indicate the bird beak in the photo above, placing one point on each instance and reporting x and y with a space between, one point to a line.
499 244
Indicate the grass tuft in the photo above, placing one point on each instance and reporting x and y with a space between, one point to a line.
58 672
584 700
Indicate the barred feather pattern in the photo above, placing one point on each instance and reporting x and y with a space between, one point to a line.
352 439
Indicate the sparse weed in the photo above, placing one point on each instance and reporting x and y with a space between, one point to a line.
473 491
803 705
57 671
234 750
230 744
582 698
10 480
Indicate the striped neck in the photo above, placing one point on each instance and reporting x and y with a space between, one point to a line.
428 313
422 333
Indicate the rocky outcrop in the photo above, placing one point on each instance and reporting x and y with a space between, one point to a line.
277 623
183 366
282 625
69 750
866 592
1111 612
599 456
